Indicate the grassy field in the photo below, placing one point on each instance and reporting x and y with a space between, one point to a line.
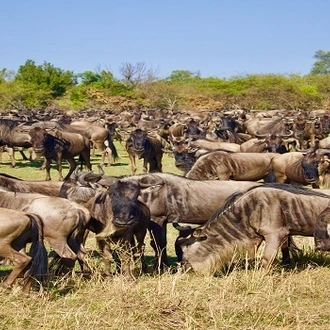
243 298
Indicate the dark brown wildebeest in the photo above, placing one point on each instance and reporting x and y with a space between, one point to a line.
17 229
219 165
142 145
11 136
64 221
270 213
169 196
41 187
62 145
118 217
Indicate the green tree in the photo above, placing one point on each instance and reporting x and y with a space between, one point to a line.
182 75
45 78
322 63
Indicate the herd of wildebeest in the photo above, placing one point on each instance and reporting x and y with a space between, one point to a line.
248 177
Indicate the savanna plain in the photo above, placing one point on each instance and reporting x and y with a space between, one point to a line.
242 297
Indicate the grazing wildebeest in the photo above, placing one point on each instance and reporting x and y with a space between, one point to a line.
17 229
149 148
64 221
11 136
232 166
169 196
118 216
62 145
41 187
270 213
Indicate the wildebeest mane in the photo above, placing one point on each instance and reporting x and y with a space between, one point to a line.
8 123
10 176
229 203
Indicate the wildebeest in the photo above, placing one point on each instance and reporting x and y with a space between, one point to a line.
169 196
41 187
270 213
62 145
130 222
64 221
100 138
17 229
118 216
310 167
232 166
11 136
140 144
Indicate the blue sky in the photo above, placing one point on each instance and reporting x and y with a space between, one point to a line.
215 37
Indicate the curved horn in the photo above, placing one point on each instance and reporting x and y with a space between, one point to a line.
184 230
260 136
81 179
322 152
286 135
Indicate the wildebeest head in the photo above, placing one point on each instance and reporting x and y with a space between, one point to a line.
38 137
187 237
309 164
138 140
124 195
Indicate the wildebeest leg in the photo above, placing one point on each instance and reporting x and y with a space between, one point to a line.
273 242
145 165
158 243
106 254
62 249
124 253
20 149
47 167
132 161
139 248
72 167
11 155
59 166
20 261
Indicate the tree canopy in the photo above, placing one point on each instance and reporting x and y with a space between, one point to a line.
322 63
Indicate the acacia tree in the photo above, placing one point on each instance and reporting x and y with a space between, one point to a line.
322 63
136 74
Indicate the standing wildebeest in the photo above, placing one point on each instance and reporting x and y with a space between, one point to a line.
62 146
17 229
310 167
11 136
64 221
169 196
141 145
232 166
99 136
269 213
118 216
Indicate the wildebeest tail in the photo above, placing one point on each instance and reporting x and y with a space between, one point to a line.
38 252
112 148
76 238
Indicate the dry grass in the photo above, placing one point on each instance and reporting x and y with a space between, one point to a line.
295 298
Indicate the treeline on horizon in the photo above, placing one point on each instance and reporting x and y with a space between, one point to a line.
46 86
